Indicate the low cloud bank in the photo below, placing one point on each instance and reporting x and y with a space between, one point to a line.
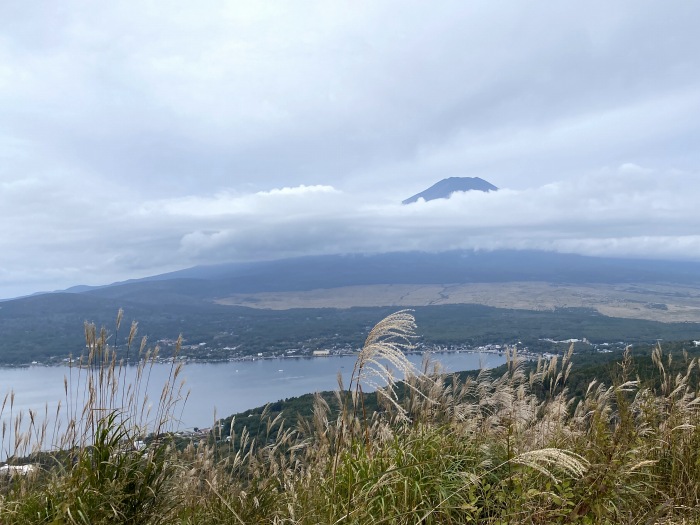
628 211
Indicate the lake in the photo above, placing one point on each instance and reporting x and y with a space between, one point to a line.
220 389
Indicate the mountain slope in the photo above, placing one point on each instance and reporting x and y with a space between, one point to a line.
42 326
205 283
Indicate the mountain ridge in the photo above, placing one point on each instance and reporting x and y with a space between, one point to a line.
206 283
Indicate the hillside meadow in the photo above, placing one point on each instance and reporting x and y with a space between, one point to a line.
508 446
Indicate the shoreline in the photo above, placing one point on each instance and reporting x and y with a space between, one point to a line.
195 360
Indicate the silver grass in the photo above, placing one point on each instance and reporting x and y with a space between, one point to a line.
546 460
382 355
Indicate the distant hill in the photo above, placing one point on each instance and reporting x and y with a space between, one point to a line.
205 283
46 325
446 187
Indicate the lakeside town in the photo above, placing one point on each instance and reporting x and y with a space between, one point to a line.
201 352
205 353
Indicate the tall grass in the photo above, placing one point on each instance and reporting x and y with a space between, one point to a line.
514 448
93 466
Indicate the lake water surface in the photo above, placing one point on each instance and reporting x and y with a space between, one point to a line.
220 389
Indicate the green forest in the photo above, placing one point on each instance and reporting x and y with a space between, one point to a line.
47 328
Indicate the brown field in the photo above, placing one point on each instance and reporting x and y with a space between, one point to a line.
656 302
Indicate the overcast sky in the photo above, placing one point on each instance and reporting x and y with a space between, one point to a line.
139 137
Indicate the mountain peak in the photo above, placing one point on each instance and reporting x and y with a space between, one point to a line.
446 187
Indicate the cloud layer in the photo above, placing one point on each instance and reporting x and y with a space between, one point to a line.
140 137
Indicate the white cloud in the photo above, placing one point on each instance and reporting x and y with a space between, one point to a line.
611 209
141 137
627 211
